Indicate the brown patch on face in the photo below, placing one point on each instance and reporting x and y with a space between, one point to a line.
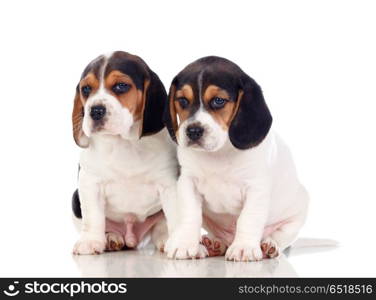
185 92
133 99
222 116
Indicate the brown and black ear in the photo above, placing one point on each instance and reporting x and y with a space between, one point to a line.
155 99
170 113
77 117
252 120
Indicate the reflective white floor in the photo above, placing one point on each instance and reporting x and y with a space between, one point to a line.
32 249
55 260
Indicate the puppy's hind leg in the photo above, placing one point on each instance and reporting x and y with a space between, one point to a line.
285 234
115 241
159 234
214 246
281 238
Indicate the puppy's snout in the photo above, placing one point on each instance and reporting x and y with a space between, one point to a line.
194 132
97 112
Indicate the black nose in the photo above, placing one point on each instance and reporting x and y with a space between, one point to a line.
97 112
194 132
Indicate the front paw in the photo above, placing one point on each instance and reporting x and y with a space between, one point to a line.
179 247
244 251
89 246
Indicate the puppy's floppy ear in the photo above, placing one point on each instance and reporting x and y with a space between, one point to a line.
170 113
252 120
77 117
154 101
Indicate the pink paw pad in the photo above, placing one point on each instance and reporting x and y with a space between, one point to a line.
114 241
130 232
214 246
269 249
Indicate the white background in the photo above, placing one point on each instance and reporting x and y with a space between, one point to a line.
316 62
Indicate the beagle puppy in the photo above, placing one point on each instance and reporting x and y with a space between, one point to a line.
128 166
237 178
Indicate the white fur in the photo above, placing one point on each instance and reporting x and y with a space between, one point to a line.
255 187
121 177
120 120
214 135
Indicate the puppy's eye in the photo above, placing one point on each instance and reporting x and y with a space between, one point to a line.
120 88
86 90
217 103
184 103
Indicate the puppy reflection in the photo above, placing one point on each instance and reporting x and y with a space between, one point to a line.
150 263
118 264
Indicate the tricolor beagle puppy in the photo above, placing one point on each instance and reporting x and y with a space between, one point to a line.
128 167
237 178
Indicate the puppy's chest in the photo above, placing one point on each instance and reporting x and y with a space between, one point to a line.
120 163
131 189
221 193
131 196
127 181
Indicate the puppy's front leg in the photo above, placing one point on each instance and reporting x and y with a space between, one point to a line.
250 225
161 230
92 240
184 241
168 196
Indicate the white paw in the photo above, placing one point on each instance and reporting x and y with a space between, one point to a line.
270 248
243 251
180 248
86 246
160 243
